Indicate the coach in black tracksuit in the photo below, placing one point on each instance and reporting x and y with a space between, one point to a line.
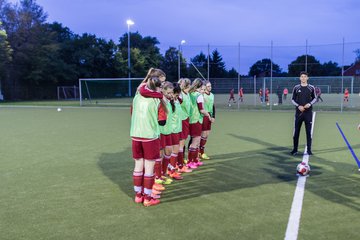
303 97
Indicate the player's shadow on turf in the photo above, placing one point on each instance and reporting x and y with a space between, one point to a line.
118 167
238 170
331 186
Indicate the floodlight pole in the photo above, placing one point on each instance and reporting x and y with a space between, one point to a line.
306 55
179 57
129 23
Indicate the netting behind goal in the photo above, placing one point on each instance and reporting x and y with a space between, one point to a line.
107 91
68 92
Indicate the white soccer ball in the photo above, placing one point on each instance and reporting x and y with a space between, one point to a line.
59 109
303 169
229 105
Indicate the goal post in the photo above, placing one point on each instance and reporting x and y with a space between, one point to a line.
106 91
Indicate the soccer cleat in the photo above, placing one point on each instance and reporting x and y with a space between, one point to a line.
185 161
169 173
139 198
151 202
294 152
166 180
309 152
176 176
156 192
199 163
192 165
185 169
158 187
204 156
159 181
155 196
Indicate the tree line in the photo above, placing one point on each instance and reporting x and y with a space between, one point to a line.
36 56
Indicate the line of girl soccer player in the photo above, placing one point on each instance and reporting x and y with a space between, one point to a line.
163 116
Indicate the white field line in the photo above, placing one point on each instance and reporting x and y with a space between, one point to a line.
292 229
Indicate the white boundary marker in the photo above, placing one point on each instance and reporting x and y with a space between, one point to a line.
292 229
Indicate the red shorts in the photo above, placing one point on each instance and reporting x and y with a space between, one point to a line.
149 150
165 141
185 129
195 129
175 138
206 125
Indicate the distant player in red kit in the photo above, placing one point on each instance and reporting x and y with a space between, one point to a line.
231 97
241 95
346 95
285 92
267 92
261 95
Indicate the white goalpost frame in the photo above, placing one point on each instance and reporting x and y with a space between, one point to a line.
100 79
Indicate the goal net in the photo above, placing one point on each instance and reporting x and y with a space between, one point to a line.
107 91
67 92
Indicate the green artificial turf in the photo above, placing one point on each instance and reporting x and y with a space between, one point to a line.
68 175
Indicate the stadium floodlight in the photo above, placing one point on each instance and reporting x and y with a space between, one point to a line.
179 56
129 22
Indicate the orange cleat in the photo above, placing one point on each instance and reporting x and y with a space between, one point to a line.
176 176
158 187
155 192
185 169
151 202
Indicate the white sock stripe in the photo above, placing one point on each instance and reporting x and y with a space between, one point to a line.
148 175
174 155
167 156
158 160
292 229
137 173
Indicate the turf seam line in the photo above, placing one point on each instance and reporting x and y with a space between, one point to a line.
292 229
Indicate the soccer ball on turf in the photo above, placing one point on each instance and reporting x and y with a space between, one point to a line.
59 109
303 169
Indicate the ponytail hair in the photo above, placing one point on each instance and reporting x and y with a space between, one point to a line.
197 83
184 83
152 78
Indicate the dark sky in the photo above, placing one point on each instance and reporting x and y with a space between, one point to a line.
223 24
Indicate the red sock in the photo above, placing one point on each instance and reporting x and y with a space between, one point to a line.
138 181
192 154
196 155
148 184
202 144
157 168
173 160
180 161
165 163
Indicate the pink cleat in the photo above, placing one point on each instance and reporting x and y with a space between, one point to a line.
139 198
192 165
199 163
